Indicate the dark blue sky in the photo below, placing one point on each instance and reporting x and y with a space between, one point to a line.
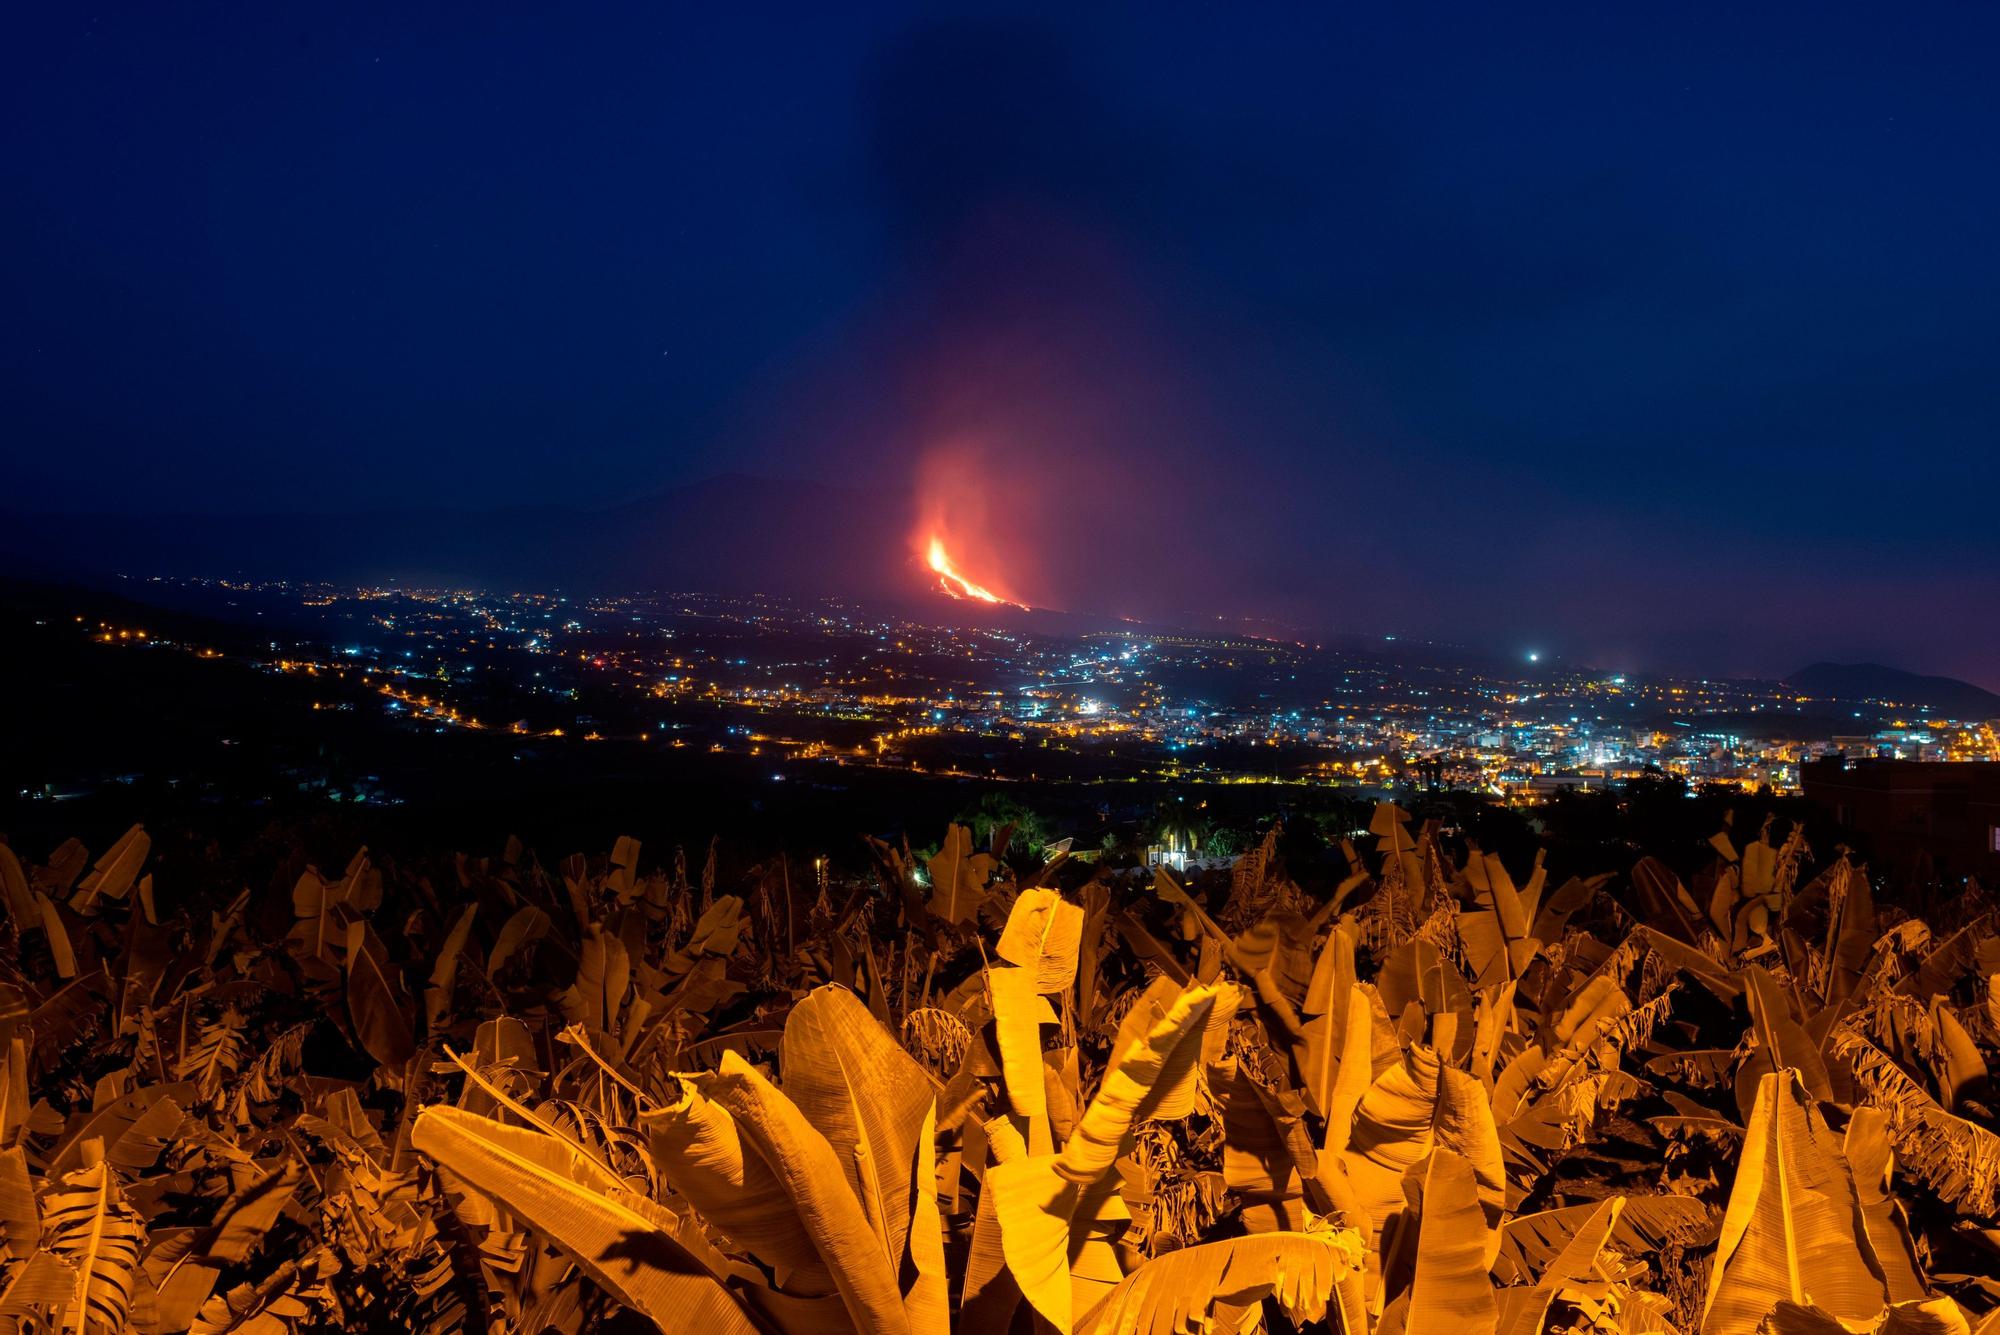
1663 336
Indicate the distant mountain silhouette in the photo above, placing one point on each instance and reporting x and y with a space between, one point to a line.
1872 681
727 534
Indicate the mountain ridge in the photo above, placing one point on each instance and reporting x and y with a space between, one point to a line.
729 533
1880 683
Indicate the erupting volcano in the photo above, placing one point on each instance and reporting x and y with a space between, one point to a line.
957 585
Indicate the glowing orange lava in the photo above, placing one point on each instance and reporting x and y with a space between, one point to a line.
956 584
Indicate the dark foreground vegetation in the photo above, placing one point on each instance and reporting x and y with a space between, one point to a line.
1378 1073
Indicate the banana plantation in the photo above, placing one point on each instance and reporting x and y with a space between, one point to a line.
980 1093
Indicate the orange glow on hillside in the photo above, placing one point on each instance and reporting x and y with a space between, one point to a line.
956 541
956 584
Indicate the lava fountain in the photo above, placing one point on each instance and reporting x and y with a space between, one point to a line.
954 583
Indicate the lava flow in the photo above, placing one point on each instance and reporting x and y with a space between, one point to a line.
956 584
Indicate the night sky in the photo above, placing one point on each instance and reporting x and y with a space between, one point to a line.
1662 336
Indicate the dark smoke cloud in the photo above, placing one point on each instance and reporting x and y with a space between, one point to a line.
1362 370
